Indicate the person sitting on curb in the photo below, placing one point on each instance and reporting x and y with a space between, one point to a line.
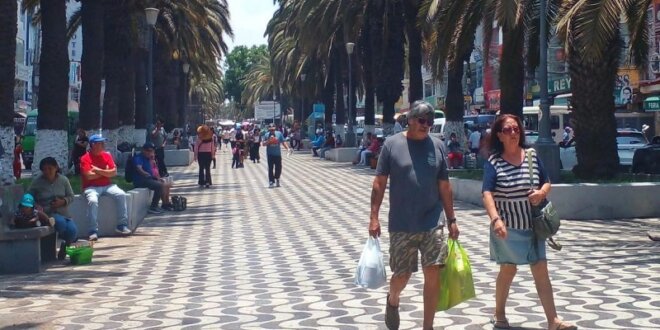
365 144
329 144
97 168
167 185
372 150
53 194
143 177
318 144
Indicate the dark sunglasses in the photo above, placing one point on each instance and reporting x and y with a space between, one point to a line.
425 121
510 130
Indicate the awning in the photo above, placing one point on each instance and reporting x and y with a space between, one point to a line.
652 103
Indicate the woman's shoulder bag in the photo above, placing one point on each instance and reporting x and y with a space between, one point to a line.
545 219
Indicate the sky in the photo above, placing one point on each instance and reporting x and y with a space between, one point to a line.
248 20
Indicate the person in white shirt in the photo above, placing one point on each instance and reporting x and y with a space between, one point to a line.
473 140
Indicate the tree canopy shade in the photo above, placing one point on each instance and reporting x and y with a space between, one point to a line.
237 64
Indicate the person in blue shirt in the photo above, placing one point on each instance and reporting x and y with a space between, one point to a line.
272 139
318 144
145 176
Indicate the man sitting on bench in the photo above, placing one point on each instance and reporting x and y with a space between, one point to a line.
146 176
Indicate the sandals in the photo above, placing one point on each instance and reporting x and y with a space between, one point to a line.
565 326
500 324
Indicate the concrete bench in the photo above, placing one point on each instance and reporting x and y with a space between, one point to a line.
342 155
181 157
137 203
22 250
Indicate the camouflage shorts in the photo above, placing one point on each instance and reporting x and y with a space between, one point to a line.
404 246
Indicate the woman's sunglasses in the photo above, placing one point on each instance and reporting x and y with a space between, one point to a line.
425 121
511 130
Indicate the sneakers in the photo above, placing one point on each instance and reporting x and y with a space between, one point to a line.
154 210
93 237
277 182
391 315
61 254
168 207
123 229
271 184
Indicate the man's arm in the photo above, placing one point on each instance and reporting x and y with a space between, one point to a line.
377 194
447 198
108 173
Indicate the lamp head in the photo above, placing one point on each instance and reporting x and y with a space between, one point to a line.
349 47
152 15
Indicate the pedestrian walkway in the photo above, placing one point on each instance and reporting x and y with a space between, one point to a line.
244 256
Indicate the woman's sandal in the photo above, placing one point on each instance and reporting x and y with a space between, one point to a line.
565 326
500 324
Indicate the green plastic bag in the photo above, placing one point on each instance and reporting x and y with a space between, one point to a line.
456 285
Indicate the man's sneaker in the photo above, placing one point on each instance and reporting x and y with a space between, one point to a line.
168 207
154 210
93 237
271 184
123 229
391 315
277 182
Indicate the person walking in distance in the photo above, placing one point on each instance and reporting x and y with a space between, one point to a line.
420 190
272 140
158 138
204 153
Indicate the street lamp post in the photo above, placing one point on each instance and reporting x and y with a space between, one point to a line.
186 68
302 100
350 135
548 150
273 105
151 15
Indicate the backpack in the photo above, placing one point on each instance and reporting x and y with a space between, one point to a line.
129 167
179 203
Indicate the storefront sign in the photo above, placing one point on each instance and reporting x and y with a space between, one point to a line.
559 86
626 81
494 100
652 104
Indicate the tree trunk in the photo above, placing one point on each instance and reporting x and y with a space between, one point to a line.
51 139
329 92
8 30
594 124
367 60
389 83
91 63
340 109
415 88
140 96
512 72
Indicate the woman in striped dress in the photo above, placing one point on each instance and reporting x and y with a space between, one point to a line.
508 196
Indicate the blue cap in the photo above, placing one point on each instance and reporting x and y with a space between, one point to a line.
96 138
27 200
148 145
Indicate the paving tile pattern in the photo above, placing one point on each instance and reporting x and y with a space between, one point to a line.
244 256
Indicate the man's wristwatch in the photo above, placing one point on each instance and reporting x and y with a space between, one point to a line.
451 220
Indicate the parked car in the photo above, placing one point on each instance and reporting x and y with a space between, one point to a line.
647 158
627 142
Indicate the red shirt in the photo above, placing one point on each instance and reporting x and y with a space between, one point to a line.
102 161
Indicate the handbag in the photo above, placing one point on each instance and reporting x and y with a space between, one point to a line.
545 219
456 283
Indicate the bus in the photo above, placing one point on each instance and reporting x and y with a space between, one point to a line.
30 133
560 115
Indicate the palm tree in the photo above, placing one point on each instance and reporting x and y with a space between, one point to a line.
8 30
51 139
91 66
591 30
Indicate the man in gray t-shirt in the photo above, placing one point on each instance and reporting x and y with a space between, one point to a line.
415 163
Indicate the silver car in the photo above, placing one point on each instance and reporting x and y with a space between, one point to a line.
627 141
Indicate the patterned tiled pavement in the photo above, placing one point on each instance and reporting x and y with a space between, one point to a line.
247 257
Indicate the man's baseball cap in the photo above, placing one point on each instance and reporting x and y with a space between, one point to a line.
148 145
271 126
27 200
96 138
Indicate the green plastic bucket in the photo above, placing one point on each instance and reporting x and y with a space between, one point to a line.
80 255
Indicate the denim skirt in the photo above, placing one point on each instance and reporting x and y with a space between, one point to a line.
518 248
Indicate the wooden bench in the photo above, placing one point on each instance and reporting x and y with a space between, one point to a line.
22 251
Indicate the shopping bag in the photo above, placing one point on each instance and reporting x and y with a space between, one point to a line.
370 272
456 285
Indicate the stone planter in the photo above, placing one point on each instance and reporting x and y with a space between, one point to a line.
585 201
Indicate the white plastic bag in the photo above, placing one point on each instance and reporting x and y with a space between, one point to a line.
370 272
